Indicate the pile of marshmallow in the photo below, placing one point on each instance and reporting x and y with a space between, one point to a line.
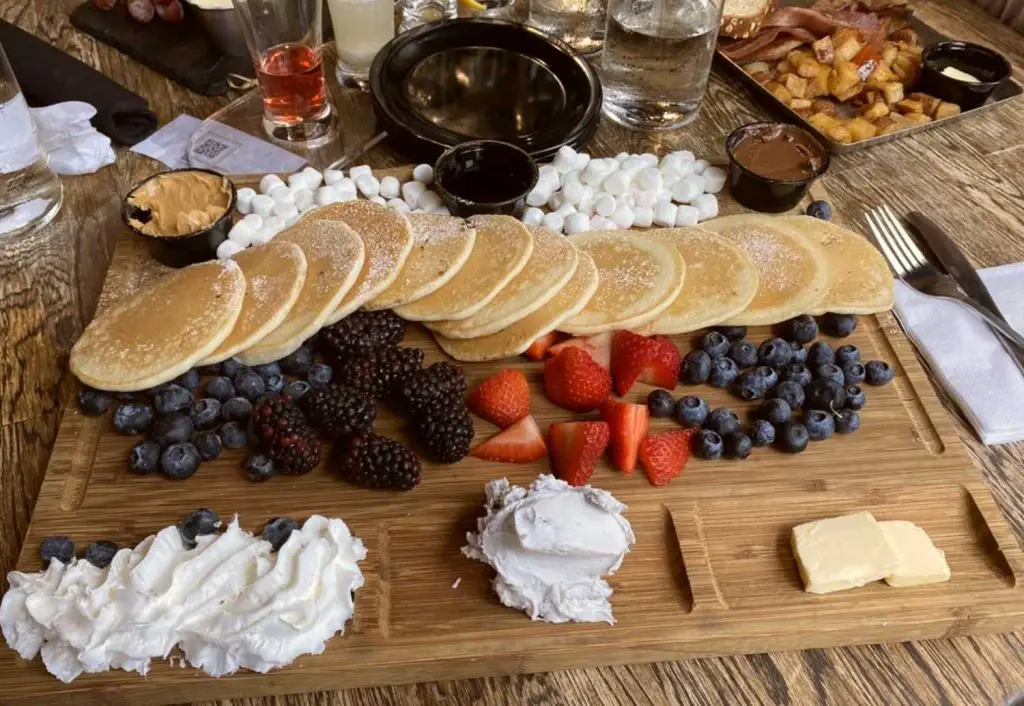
625 191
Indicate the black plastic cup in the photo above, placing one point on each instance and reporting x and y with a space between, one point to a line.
485 177
765 194
181 250
989 67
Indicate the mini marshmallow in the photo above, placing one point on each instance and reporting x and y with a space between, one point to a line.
390 187
243 200
687 216
398 204
621 156
326 195
616 183
649 178
291 218
604 205
412 190
282 194
594 173
269 182
379 200
368 185
707 205
547 172
345 189
665 214
358 171
573 192
441 211
538 197
304 200
533 216
670 161
601 223
623 217
714 179
664 196
424 174
229 248
297 180
586 206
643 216
242 233
313 178
254 220
685 155
429 200
632 166
262 236
554 221
565 210
556 201
286 210
274 225
582 160
650 159
577 223
645 198
686 190
700 165
262 205
625 199
333 176
565 159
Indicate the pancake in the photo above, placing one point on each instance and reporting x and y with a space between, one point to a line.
502 248
156 334
441 246
334 259
515 339
550 266
274 275
639 278
792 271
861 281
720 281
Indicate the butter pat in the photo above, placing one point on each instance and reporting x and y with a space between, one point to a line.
955 73
842 552
920 562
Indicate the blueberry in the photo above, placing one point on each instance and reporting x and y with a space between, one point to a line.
723 421
855 397
839 325
796 372
278 530
799 353
152 392
830 372
189 380
774 353
267 369
237 409
234 436
660 403
848 421
208 444
696 368
298 362
710 444
820 353
172 399
319 375
723 372
197 524
744 353
92 402
750 385
820 209
180 460
825 394
802 329
820 425
792 437
762 432
259 468
230 368
250 385
171 430
60 548
296 389
847 353
776 411
213 369
220 388
691 411
132 418
878 372
144 457
733 333
715 344
100 554
769 375
125 396
275 383
738 445
791 392
205 413
853 373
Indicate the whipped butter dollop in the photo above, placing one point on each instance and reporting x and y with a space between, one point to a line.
550 546
229 603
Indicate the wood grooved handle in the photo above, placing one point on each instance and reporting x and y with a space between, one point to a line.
999 531
77 481
699 573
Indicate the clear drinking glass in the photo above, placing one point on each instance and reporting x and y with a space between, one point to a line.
656 61
417 12
578 23
30 194
285 40
361 28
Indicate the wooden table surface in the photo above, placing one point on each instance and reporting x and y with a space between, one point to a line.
967 176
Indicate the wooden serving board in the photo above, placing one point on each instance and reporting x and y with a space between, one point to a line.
711 572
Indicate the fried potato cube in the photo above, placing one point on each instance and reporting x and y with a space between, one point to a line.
907 105
757 67
801 104
889 53
914 119
826 106
824 50
779 91
874 111
794 84
889 125
850 93
881 75
906 36
783 67
839 134
807 68
893 92
847 49
906 67
818 86
843 77
797 55
929 104
823 122
945 110
861 129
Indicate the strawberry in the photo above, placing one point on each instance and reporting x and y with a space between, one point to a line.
539 347
520 443
654 360
664 455
503 398
599 347
627 427
574 381
575 449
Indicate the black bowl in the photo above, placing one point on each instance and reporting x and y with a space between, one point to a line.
986 65
766 194
485 177
182 250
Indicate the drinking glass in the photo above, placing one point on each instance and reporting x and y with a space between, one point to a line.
578 23
285 40
361 28
417 12
30 194
656 60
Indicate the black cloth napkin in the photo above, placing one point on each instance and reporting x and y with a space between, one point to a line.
48 75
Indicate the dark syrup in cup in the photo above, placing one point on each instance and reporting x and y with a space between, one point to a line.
485 177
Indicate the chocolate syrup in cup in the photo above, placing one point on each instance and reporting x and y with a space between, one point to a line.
485 177
771 165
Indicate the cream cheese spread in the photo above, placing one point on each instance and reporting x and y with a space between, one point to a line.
550 546
229 603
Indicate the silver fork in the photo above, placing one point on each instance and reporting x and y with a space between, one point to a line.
910 265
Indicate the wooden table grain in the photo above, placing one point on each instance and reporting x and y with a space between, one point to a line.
968 176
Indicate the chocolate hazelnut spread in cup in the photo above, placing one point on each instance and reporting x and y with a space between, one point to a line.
771 165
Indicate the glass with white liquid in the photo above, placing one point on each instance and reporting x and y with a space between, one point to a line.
361 28
657 59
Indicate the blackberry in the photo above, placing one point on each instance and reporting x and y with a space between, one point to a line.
286 437
360 334
439 383
445 431
379 373
92 402
373 461
335 411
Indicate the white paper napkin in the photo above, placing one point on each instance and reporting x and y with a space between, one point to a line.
72 145
967 357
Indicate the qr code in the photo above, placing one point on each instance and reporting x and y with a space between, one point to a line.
210 149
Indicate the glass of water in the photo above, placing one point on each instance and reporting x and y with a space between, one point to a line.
578 23
656 61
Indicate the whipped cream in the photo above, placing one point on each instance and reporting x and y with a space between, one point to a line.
229 603
551 545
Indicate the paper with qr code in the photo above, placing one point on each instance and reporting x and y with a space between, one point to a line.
189 142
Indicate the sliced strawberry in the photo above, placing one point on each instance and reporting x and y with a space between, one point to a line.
503 398
654 360
574 381
599 347
539 347
627 425
520 443
664 455
576 448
